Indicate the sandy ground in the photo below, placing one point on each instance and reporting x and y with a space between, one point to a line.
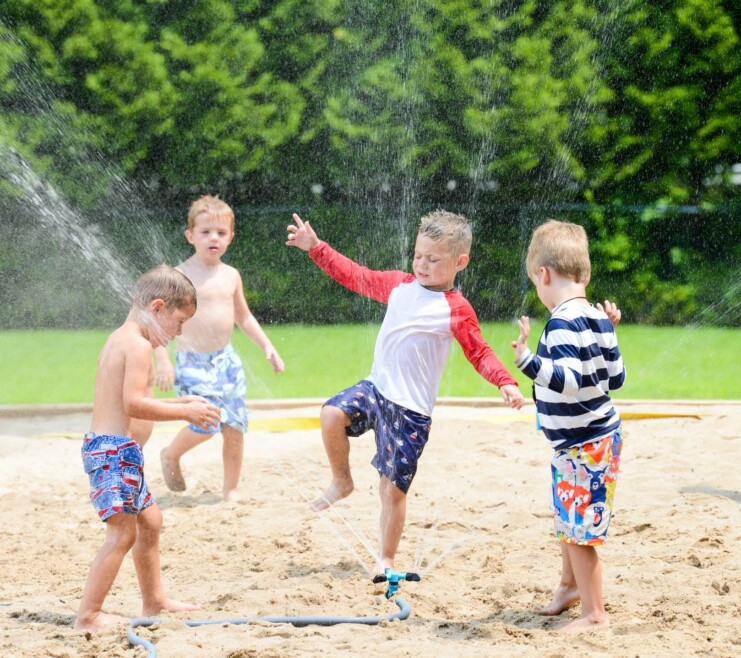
478 530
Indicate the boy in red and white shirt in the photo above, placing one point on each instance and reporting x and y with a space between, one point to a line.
424 314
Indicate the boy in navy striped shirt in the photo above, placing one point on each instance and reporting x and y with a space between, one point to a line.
576 365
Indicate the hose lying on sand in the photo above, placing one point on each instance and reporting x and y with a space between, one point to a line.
403 612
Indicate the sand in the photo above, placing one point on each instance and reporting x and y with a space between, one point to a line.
478 530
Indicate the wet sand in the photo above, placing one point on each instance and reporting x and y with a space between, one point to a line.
478 530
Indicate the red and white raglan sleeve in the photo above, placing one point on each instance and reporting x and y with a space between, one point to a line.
466 330
369 283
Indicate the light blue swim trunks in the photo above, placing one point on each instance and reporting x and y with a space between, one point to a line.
218 377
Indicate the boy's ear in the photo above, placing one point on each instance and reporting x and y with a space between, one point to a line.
188 236
463 261
156 305
545 275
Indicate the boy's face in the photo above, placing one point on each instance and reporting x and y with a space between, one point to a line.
434 265
167 323
210 236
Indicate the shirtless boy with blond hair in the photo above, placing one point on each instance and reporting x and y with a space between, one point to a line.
124 411
206 364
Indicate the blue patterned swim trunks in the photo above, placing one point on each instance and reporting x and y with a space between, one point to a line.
115 467
218 377
401 434
583 489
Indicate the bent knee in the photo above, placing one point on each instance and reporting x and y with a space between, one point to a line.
333 416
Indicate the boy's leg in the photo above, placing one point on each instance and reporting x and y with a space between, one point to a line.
393 515
120 537
233 453
567 593
587 569
337 446
146 556
185 440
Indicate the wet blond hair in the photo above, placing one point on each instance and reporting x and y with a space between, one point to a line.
210 206
454 230
563 247
169 285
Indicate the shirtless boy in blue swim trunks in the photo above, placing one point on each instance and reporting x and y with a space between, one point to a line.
424 314
124 410
206 364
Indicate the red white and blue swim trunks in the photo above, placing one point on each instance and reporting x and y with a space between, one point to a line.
401 434
218 377
583 489
115 466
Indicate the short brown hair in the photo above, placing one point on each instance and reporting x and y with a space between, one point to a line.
449 227
563 247
211 206
169 285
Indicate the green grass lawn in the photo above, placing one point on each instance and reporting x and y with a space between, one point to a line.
50 366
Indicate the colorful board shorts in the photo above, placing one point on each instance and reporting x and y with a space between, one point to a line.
115 466
583 488
401 434
218 377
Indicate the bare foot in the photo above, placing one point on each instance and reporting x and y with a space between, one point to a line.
168 605
564 598
381 567
171 472
98 621
583 624
337 490
231 495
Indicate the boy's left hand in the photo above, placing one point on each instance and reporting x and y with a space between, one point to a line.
275 359
512 396
611 311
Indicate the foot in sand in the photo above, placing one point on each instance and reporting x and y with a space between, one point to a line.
583 624
168 605
337 490
98 621
381 566
171 472
564 598
231 495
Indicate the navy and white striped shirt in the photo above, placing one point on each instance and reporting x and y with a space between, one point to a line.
576 366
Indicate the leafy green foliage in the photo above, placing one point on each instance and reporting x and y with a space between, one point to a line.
623 116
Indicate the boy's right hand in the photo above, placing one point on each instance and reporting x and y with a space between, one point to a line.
301 235
201 412
165 376
520 345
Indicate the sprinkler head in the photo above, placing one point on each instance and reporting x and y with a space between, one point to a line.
393 578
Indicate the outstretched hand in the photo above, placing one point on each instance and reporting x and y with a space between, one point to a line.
512 396
301 235
611 311
520 345
201 412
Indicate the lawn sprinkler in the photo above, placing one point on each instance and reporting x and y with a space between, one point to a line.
393 578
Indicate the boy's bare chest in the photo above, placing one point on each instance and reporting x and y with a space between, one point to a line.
212 287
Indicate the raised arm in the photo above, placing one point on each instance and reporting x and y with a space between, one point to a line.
362 280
